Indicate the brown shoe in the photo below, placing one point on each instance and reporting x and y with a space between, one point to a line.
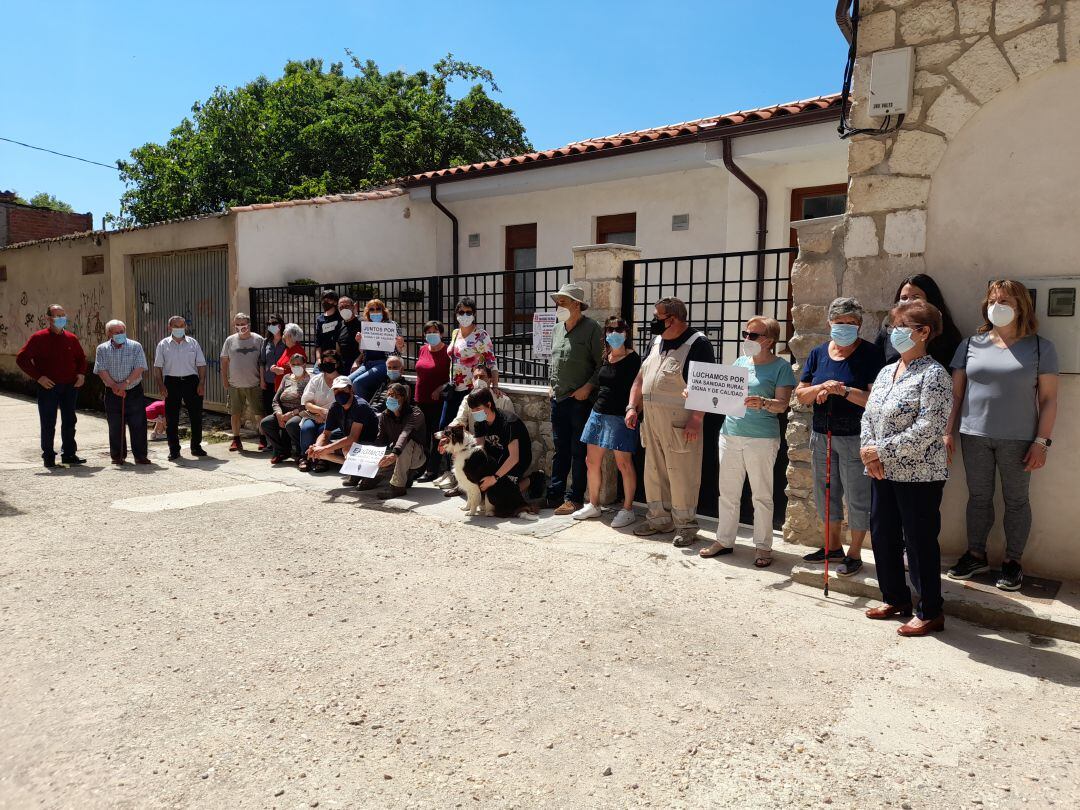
935 625
568 508
391 492
888 611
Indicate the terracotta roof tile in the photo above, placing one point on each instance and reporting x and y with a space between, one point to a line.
628 141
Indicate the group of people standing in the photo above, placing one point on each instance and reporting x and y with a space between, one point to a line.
885 416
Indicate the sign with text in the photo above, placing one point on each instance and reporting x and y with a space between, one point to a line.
716 388
543 330
363 460
378 337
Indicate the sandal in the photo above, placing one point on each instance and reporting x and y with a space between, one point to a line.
303 466
763 562
717 549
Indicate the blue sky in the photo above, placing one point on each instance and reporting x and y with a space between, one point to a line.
96 79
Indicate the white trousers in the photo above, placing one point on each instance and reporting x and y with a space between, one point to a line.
742 457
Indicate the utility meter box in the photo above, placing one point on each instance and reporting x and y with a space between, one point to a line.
1056 307
892 80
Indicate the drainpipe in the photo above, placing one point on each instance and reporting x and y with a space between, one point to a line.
763 218
454 223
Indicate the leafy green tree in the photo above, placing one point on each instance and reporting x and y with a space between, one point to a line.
313 132
44 200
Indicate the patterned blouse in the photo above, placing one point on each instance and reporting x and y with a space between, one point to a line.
905 420
466 353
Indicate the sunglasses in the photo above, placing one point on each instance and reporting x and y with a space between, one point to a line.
752 335
609 329
464 312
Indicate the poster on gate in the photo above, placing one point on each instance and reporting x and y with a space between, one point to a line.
378 337
543 330
716 388
363 460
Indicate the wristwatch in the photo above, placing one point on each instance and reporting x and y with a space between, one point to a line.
1044 442
847 390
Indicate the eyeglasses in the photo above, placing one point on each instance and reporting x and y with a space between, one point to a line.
752 335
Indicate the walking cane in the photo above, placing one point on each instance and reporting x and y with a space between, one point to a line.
828 485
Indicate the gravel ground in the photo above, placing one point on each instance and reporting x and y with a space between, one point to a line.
303 647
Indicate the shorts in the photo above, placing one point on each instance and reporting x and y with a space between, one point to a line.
609 432
245 400
156 409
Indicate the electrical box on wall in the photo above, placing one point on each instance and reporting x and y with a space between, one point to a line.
892 80
1055 300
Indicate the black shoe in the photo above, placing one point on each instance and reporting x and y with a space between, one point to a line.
819 555
967 567
174 456
352 480
1012 576
427 478
366 484
49 462
72 460
849 567
198 451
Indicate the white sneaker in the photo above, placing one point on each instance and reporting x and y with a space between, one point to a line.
623 518
586 512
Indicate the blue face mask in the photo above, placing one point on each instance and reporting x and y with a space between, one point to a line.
615 339
273 329
433 338
393 375
376 317
901 339
844 334
392 404
60 322
119 338
178 333
479 416
342 397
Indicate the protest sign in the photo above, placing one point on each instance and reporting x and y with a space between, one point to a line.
363 460
543 329
717 388
378 337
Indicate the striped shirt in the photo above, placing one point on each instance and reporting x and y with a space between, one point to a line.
120 361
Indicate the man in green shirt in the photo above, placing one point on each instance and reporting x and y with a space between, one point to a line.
577 352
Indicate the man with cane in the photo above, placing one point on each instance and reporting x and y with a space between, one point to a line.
121 363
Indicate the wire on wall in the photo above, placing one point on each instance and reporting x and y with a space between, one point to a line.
849 26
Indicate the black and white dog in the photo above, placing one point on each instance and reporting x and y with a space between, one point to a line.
471 466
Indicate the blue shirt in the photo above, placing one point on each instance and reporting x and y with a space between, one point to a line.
337 418
763 380
120 361
857 371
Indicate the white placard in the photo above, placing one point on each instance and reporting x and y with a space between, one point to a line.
363 460
543 330
378 337
716 388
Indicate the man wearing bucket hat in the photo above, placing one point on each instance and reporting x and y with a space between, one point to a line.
577 352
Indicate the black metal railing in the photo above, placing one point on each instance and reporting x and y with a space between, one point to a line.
505 303
720 290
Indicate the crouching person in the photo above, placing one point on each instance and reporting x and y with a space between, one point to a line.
403 429
349 420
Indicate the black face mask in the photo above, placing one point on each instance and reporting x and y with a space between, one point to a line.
327 368
656 326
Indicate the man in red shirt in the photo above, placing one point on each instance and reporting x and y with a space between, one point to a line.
55 360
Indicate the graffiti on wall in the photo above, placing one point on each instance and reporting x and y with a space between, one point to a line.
23 313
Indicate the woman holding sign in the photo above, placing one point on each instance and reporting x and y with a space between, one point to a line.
836 380
371 373
749 443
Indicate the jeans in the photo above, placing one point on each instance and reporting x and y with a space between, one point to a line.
450 407
568 418
742 457
432 414
130 411
184 389
367 379
309 432
282 439
982 456
61 397
908 515
849 482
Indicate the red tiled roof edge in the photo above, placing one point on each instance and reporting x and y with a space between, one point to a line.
793 113
361 196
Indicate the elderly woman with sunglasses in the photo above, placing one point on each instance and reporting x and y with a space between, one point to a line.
749 443
606 427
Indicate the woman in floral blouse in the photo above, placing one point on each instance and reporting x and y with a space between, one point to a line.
469 347
903 448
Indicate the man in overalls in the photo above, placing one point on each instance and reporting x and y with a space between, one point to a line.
670 434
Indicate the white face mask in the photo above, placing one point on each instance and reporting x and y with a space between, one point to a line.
298 371
479 384
751 348
1000 314
346 314
465 320
562 314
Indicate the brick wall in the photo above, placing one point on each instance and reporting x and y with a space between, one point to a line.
25 224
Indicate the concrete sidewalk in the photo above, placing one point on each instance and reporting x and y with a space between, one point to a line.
1042 608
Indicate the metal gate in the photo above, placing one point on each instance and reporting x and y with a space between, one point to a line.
193 284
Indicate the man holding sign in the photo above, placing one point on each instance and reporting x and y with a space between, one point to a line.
671 432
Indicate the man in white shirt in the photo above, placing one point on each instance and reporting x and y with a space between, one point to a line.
180 371
240 375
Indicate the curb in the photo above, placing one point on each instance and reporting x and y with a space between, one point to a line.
964 603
